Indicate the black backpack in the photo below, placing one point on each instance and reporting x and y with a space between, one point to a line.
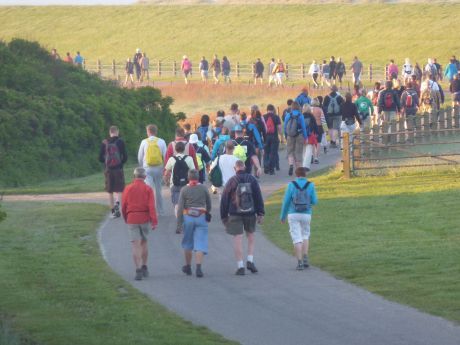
243 197
301 199
180 171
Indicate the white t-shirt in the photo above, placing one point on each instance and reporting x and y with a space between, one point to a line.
171 162
227 166
231 121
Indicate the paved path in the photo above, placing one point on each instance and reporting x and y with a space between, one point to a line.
279 305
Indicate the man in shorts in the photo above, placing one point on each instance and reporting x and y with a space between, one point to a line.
139 213
113 154
331 107
295 139
241 207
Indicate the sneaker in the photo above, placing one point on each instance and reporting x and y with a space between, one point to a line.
291 170
272 172
300 266
116 209
138 274
266 171
305 261
251 267
199 272
240 271
112 214
325 149
145 271
179 230
316 161
187 270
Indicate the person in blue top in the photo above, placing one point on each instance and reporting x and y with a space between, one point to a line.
296 134
299 198
78 60
303 98
251 132
451 70
223 138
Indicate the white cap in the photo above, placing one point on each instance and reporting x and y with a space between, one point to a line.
193 139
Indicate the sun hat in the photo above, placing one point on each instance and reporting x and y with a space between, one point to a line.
193 139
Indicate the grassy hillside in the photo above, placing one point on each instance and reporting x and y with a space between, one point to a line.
53 116
297 33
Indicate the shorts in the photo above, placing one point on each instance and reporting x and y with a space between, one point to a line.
295 147
138 232
299 226
175 192
195 234
389 115
326 75
333 121
186 73
114 180
258 75
226 73
216 74
237 224
204 74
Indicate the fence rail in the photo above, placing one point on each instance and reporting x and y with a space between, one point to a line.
168 69
426 140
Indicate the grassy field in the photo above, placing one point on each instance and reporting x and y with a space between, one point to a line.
395 235
297 33
55 288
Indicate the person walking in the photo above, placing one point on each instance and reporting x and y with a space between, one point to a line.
226 162
393 70
78 60
388 103
193 215
321 123
137 63
299 197
68 58
259 72
186 67
233 118
349 112
226 68
151 156
249 155
333 69
176 174
138 208
271 73
241 207
219 145
303 97
280 72
216 69
202 155
113 154
313 71
451 70
145 64
129 70
409 105
325 72
340 71
357 69
365 111
296 136
312 141
204 70
407 70
272 141
189 150
331 107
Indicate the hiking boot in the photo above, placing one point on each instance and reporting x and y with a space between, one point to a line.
291 170
272 172
300 266
240 271
266 171
305 262
179 230
251 267
145 271
187 270
199 272
138 274
116 209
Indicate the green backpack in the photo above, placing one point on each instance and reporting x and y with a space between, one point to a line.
215 175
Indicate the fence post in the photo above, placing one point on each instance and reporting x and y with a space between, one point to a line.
426 122
114 71
356 151
370 72
253 71
287 71
159 68
385 72
302 70
175 68
237 69
449 117
346 156
401 129
442 119
457 116
99 69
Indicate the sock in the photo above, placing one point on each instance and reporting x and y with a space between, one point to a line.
251 258
240 264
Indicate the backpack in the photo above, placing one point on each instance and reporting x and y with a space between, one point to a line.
292 126
410 100
215 175
204 134
301 199
243 198
363 107
240 151
221 149
112 154
388 100
153 156
270 125
187 65
199 157
180 171
333 106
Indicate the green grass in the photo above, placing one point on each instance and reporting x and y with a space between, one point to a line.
297 33
87 184
395 235
55 288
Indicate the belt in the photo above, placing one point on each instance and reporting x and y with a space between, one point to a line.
200 210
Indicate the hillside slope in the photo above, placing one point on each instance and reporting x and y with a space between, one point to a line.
53 116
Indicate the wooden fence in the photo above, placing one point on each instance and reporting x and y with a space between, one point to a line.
404 144
167 69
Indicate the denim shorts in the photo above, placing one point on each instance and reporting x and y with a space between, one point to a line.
195 234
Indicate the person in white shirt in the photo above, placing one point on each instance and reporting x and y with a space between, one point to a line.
226 162
153 163
314 73
232 119
408 70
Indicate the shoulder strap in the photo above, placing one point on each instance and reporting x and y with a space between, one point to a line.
296 185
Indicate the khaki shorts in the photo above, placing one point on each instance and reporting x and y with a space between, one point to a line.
138 232
237 224
295 147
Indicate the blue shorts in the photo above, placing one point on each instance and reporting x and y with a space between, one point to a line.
195 234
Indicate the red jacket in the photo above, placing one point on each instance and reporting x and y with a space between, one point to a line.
191 151
138 204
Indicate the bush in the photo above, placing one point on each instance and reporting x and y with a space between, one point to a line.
53 116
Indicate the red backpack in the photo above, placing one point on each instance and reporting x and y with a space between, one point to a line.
388 100
409 100
270 125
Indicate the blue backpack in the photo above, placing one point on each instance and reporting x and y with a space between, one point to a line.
301 199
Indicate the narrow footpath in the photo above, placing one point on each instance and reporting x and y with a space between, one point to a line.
278 305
